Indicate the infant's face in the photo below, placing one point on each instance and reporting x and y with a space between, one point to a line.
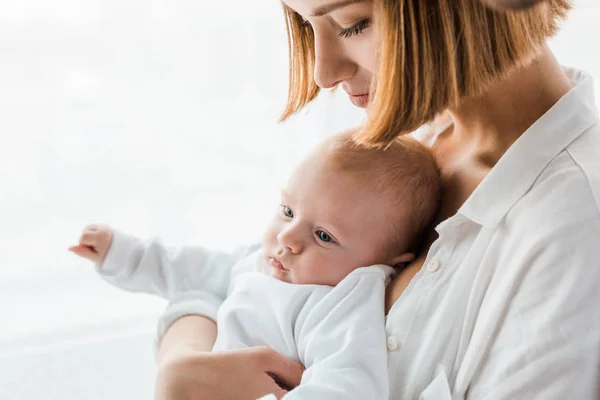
326 227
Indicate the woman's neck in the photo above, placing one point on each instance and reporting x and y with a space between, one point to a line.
491 123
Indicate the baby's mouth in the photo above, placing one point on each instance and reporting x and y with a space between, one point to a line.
275 263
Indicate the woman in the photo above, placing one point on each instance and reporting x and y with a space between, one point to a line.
502 303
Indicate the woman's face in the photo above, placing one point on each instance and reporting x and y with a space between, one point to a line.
344 44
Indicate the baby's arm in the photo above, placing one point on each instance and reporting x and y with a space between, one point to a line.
342 341
149 266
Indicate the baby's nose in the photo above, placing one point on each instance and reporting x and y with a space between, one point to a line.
289 242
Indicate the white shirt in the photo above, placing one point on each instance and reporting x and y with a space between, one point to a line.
314 325
507 305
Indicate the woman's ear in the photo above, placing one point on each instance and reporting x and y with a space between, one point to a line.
401 259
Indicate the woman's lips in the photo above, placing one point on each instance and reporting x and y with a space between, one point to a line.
359 100
275 263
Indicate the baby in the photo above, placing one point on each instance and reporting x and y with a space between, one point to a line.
313 290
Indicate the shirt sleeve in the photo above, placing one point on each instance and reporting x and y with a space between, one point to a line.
194 279
179 274
342 343
546 344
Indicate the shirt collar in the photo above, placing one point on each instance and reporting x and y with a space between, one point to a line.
517 170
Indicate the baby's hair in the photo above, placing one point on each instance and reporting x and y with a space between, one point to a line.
403 176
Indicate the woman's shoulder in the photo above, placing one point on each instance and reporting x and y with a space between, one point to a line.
567 191
585 153
576 170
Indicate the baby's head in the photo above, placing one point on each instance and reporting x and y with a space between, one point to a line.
347 206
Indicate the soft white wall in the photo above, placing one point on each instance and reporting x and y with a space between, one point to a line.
157 117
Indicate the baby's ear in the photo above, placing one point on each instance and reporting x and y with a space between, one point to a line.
401 259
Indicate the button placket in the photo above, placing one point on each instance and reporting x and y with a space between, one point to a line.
438 253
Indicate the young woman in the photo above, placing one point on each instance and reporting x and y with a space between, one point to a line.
502 302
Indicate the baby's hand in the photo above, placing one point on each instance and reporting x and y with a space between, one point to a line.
94 243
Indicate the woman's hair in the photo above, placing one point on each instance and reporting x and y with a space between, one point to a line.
301 46
432 54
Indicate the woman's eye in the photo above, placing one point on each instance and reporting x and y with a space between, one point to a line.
288 212
355 29
324 237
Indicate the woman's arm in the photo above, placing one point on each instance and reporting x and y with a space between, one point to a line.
245 374
191 333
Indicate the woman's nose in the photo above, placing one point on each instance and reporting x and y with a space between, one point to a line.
332 64
289 239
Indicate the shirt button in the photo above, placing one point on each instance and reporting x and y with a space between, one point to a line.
392 343
433 266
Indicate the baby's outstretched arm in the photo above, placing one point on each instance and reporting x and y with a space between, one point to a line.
193 278
151 267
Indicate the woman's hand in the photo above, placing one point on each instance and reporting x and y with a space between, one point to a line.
227 375
94 243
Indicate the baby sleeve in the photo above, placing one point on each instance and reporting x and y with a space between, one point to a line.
342 341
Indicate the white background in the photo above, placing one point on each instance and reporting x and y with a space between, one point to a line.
156 117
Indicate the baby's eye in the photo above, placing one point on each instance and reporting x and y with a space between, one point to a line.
287 211
323 236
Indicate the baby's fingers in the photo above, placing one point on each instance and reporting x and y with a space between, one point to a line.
89 238
85 252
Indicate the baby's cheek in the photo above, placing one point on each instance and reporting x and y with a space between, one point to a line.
270 234
332 272
309 272
342 270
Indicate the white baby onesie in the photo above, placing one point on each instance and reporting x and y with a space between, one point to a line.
337 333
